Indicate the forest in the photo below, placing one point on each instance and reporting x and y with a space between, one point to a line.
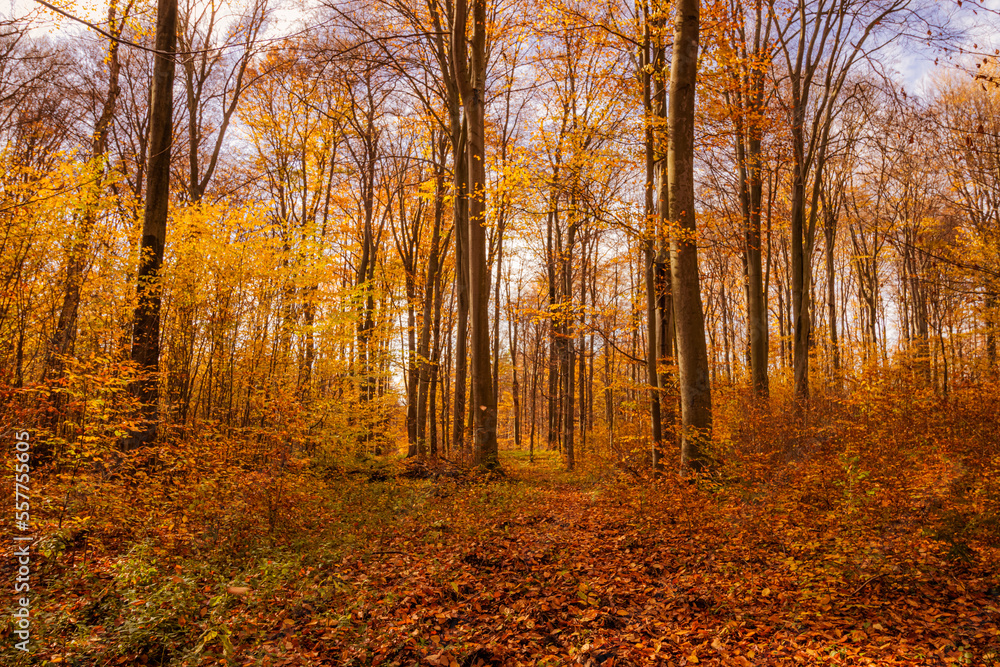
500 332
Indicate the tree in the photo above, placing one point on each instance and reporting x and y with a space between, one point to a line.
692 353
64 336
37 131
969 114
750 32
146 322
468 62
821 42
215 80
660 325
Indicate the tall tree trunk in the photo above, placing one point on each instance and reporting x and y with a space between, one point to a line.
921 317
648 249
64 337
469 65
800 290
365 283
990 317
756 304
727 347
553 347
534 396
435 364
146 322
692 352
754 158
664 313
497 311
515 386
461 216
414 362
430 298
567 342
830 232
582 354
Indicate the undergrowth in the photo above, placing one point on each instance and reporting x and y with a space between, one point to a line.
176 555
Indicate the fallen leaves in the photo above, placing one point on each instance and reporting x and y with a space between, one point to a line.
567 577
442 658
533 570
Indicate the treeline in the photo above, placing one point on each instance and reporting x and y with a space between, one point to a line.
451 224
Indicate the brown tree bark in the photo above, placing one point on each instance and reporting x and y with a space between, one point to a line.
692 352
146 321
830 236
431 297
64 337
820 47
469 67
749 155
646 58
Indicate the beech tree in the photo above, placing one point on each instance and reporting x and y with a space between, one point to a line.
969 115
750 31
65 332
692 353
146 324
403 204
820 43
468 65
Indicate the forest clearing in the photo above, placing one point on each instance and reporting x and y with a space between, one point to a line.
500 332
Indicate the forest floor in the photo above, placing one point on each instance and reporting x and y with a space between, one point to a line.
537 566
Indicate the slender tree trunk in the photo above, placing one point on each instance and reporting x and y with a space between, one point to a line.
470 71
800 290
146 322
365 283
649 259
534 398
515 387
756 303
609 400
664 314
430 293
434 366
582 355
567 341
829 232
447 390
554 345
756 290
921 317
497 311
692 352
990 316
461 216
414 362
727 348
64 337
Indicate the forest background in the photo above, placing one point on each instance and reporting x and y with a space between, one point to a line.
251 255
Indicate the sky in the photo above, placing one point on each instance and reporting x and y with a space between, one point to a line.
978 19
287 15
980 23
